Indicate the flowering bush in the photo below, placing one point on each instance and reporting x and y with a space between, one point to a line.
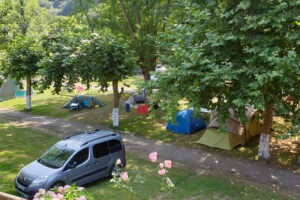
120 177
63 193
163 167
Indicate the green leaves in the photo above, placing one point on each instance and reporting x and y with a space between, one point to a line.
243 5
241 52
96 57
22 56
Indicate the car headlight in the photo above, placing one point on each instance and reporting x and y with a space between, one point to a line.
40 180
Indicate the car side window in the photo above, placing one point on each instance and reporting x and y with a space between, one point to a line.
80 157
114 146
100 150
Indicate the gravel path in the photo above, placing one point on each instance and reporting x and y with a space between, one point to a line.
242 170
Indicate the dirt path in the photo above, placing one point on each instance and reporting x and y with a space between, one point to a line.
241 170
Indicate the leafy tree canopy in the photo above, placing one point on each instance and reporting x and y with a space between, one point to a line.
99 58
240 52
20 58
25 17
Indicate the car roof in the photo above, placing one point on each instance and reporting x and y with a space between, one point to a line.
81 139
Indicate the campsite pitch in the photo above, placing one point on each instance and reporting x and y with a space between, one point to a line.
239 169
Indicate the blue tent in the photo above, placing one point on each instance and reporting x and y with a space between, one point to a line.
186 123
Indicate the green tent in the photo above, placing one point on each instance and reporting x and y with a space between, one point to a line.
233 134
83 101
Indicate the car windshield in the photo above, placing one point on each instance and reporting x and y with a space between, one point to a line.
56 156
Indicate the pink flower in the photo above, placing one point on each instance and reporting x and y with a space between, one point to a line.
51 193
168 164
79 189
81 198
60 189
118 162
162 172
42 191
161 165
66 187
60 196
153 156
124 176
36 196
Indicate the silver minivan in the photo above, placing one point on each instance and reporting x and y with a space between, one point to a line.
78 159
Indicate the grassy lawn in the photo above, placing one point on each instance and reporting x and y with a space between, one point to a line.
284 152
20 145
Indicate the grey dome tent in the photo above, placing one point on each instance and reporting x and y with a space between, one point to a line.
136 98
82 99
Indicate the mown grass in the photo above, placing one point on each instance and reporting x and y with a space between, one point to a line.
20 145
284 152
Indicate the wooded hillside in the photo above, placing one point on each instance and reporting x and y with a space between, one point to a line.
58 7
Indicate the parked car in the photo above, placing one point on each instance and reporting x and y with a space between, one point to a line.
78 159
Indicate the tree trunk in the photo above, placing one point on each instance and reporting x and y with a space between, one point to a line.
263 151
23 25
115 114
146 68
86 15
28 93
145 73
129 24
